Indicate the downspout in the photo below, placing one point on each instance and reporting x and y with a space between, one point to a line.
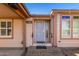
24 38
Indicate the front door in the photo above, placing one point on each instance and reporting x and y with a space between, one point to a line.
41 31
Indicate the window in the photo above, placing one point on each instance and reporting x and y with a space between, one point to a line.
5 28
70 27
66 31
75 26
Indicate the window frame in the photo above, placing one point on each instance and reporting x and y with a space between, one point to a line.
72 27
61 27
7 37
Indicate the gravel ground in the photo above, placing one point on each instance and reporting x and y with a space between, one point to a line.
32 51
71 51
11 52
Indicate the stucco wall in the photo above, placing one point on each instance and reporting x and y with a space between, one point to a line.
29 29
17 35
65 42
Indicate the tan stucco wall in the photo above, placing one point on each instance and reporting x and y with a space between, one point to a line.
29 29
7 12
65 42
17 35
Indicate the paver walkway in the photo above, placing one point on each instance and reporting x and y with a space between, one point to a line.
50 51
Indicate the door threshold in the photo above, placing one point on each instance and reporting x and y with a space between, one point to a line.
42 44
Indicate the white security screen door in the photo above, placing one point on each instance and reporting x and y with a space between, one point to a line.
41 31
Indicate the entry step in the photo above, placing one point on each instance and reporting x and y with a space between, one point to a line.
49 51
42 44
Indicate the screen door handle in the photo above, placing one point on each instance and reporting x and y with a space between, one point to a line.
32 35
51 35
46 34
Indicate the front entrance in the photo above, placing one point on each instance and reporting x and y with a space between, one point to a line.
42 31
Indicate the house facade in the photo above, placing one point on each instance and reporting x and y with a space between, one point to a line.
20 29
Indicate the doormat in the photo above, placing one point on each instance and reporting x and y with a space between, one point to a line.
40 42
41 47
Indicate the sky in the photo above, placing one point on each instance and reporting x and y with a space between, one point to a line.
46 8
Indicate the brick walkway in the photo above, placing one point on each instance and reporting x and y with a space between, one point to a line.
50 51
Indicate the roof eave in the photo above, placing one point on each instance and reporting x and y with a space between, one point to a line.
24 9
